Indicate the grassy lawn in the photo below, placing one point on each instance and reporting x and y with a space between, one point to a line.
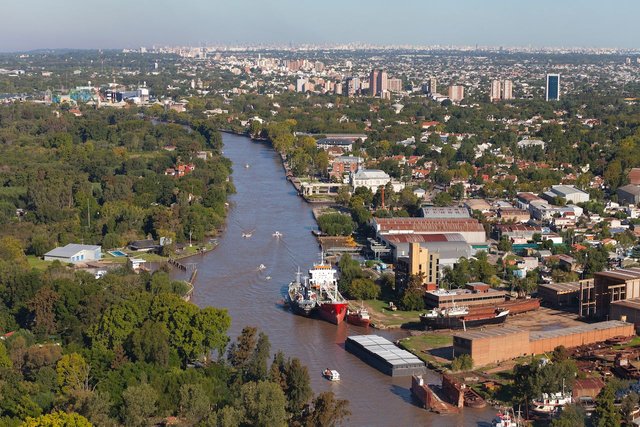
634 341
37 262
385 318
420 344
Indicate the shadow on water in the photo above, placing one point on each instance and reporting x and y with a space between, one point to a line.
402 393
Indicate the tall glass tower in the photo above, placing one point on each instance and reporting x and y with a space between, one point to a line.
553 87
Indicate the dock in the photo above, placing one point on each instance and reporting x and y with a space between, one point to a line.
385 356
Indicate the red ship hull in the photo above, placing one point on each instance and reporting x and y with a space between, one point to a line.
333 312
355 319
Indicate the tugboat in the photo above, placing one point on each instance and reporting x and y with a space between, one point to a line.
331 374
302 299
359 317
332 306
506 419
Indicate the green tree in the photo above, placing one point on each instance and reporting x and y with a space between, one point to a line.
257 363
140 403
42 305
194 402
298 386
72 373
57 419
264 404
571 416
5 360
464 362
326 411
364 289
150 343
606 414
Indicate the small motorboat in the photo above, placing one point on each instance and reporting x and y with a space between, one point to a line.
331 374
247 165
267 278
261 267
247 234
277 234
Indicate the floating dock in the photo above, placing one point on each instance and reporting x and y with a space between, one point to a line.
385 356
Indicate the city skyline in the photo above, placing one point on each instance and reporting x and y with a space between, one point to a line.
37 24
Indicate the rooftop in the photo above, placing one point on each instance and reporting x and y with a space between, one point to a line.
566 189
587 327
70 250
489 333
565 287
631 189
371 174
621 274
428 225
423 238
444 212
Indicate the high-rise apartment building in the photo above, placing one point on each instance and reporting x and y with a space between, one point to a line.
507 90
383 83
456 93
373 82
433 85
553 87
352 86
496 91
394 85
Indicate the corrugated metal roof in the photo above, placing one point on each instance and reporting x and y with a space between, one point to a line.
429 224
621 273
424 238
487 333
541 335
70 250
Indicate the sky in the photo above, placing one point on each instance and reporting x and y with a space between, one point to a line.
87 24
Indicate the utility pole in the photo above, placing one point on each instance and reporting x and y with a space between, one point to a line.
190 238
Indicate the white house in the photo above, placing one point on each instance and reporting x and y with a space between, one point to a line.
372 179
73 253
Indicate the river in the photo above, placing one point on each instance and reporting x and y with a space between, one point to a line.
230 277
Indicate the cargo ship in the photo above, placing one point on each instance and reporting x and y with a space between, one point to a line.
461 318
302 299
332 306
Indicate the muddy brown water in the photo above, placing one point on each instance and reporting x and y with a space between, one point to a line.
230 277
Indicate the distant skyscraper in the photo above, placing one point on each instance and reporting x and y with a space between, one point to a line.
496 91
507 90
373 82
433 85
352 86
456 93
383 84
553 87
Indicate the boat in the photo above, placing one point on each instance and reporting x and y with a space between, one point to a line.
247 234
247 165
277 234
332 306
550 403
267 278
461 318
472 399
506 419
359 317
302 299
331 374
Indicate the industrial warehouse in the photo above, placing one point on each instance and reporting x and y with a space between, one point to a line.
506 343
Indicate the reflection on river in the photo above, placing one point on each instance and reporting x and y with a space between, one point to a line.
230 277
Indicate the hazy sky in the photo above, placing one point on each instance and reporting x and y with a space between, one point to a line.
34 24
